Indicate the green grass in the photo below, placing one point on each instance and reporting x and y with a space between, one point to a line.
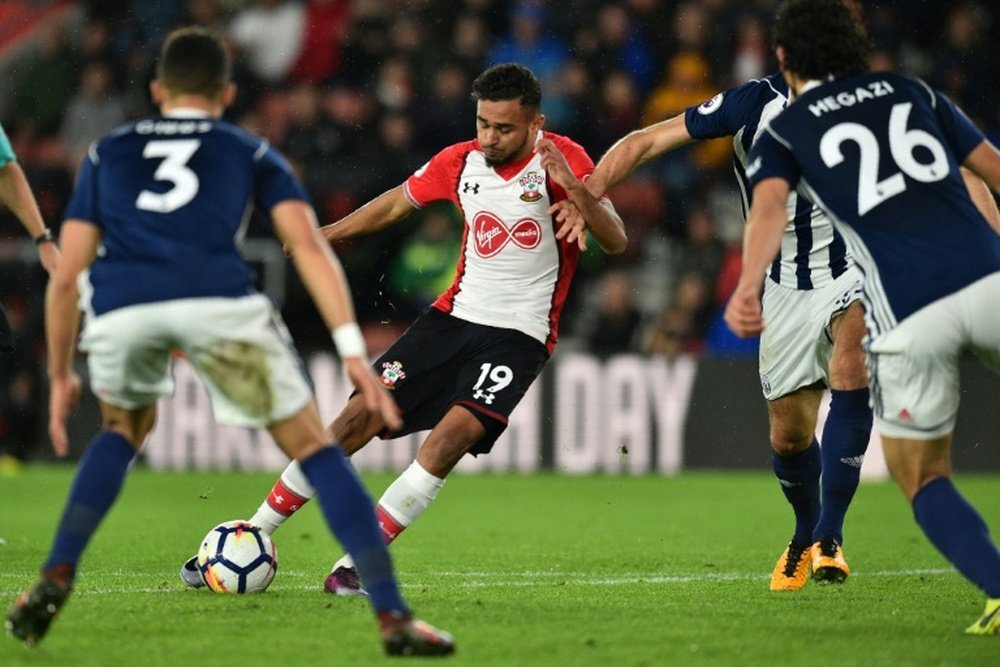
539 570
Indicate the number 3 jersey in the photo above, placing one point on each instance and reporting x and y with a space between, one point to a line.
512 271
172 197
880 153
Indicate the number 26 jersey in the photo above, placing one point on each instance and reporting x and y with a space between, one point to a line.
880 154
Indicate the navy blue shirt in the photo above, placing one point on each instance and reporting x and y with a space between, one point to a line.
880 153
171 197
812 252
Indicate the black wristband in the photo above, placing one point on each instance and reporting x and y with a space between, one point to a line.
44 237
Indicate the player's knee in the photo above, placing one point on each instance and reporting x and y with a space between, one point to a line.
789 439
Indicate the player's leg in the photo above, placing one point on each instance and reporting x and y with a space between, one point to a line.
97 483
845 440
406 363
922 469
469 400
415 489
349 513
795 458
353 428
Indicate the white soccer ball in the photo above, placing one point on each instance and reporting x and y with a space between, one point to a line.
236 557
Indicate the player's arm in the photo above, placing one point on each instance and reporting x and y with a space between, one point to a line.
79 240
636 148
323 276
385 210
761 242
600 219
17 196
984 164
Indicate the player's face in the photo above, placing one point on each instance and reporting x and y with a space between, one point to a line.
506 130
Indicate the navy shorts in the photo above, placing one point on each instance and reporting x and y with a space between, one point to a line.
441 361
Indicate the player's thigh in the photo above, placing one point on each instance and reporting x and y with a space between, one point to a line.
847 360
244 356
792 419
128 355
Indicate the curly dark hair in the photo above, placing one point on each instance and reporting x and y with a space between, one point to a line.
821 38
508 81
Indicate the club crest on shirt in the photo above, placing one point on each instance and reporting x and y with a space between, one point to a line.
532 186
392 372
491 235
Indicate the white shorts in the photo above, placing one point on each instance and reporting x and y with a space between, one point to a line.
796 343
914 367
240 349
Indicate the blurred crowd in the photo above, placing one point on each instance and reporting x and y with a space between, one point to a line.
359 93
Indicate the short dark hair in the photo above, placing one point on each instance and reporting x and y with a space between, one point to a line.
821 38
194 61
508 81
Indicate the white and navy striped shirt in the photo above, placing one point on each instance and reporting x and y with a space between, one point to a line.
813 253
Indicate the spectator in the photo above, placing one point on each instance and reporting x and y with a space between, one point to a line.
620 44
45 83
449 106
530 44
94 110
269 37
425 264
615 327
326 25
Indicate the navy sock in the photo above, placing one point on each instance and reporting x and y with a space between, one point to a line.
350 513
959 533
798 475
98 480
845 439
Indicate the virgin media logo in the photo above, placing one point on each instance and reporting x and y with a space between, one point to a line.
491 235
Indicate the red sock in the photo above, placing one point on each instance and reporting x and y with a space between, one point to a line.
284 501
390 527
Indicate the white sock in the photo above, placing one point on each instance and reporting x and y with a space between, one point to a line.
289 493
405 499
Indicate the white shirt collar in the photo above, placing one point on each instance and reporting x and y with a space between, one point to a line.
186 112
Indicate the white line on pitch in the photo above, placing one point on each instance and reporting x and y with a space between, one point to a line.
566 579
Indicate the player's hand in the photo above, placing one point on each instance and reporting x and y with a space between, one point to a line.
377 397
48 253
554 162
64 393
572 226
743 314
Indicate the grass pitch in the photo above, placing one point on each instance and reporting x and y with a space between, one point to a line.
539 570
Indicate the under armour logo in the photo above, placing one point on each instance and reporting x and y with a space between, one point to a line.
486 396
470 187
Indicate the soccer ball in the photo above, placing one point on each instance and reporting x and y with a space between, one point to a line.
235 557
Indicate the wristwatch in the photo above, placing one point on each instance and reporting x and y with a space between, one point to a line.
44 237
